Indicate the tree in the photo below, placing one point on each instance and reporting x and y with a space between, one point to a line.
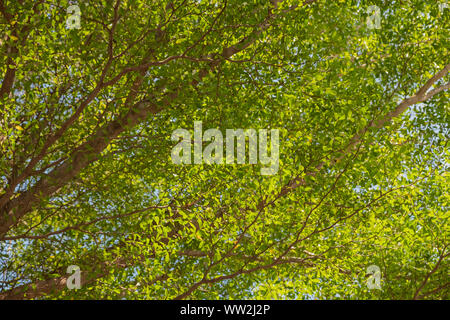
86 174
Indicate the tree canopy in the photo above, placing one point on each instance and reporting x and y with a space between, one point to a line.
91 92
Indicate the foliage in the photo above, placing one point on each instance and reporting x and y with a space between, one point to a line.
85 138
